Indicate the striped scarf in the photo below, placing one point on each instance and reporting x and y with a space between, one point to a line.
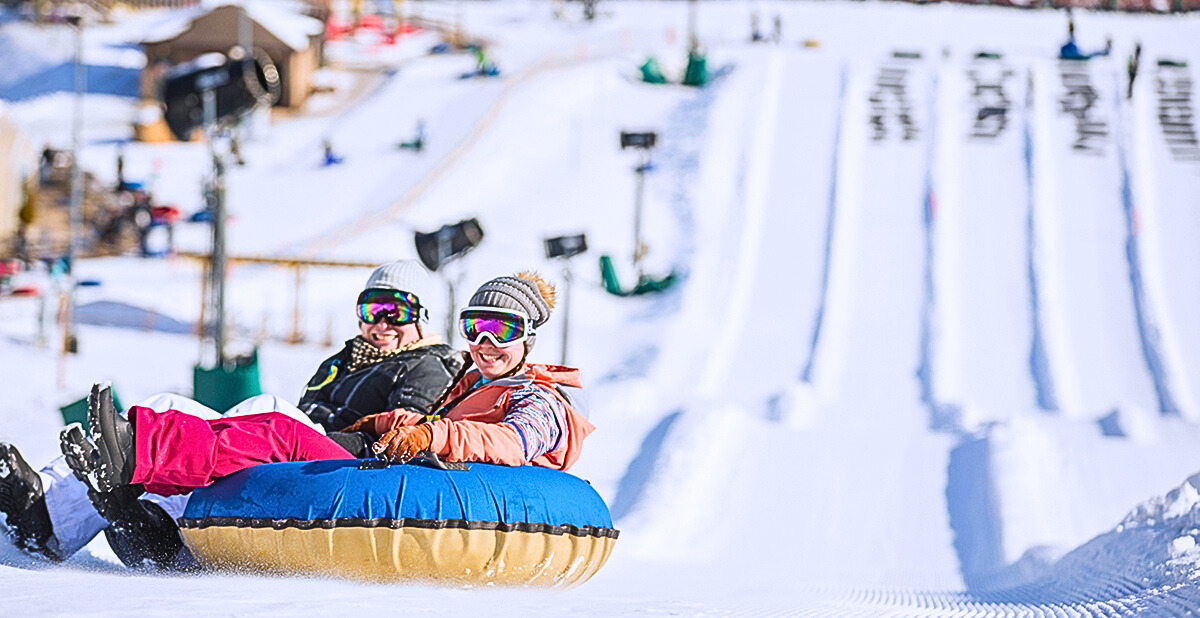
363 353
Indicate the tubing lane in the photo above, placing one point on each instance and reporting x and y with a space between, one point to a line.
978 335
1085 300
1147 322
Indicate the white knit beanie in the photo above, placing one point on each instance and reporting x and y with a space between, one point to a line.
404 275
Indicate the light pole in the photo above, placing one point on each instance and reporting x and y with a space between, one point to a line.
207 83
564 248
70 341
642 142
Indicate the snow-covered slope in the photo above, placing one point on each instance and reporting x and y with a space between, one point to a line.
924 357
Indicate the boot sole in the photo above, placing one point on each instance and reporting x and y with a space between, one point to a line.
79 453
101 423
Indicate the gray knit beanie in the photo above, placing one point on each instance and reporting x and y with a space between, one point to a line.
515 293
404 275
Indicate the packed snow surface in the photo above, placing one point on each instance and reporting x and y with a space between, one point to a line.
934 349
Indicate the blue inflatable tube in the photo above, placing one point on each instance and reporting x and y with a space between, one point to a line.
488 524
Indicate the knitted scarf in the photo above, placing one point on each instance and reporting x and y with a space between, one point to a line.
363 353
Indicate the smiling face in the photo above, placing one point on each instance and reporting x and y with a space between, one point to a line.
494 362
387 337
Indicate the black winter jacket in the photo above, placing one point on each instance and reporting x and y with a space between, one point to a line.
412 380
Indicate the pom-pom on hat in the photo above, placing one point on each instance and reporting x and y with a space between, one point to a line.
404 275
526 292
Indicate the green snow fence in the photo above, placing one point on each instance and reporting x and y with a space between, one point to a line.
224 386
76 411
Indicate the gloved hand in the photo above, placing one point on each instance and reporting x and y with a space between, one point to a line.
403 443
364 424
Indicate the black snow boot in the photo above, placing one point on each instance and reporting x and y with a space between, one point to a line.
24 506
140 532
113 436
79 453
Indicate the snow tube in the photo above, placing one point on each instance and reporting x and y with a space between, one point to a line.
487 525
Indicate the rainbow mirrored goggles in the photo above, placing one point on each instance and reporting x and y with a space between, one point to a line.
504 327
393 306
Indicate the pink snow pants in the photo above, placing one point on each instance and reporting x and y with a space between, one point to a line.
178 452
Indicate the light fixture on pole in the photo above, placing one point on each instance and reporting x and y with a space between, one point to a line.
564 248
213 92
436 249
643 142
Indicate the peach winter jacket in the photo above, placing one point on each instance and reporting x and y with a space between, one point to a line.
472 428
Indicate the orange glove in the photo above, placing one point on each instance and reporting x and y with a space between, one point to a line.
365 424
403 443
380 424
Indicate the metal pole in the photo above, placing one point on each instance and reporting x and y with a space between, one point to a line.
638 247
566 309
246 42
450 311
443 241
70 343
219 256
217 188
296 337
693 40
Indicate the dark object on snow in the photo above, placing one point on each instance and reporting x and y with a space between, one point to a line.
23 503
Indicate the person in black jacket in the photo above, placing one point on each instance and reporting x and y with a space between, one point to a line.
392 364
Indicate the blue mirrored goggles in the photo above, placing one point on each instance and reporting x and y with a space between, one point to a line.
393 306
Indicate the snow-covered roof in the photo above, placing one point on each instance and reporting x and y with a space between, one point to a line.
276 17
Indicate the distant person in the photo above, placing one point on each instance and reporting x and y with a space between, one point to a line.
777 29
330 158
1132 68
504 411
391 364
417 143
1070 50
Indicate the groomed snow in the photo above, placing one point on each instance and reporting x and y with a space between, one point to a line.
921 362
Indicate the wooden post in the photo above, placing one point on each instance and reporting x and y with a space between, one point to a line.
296 337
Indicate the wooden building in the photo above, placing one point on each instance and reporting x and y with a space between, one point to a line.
292 41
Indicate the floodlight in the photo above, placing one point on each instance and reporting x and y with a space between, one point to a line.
435 249
644 140
236 91
565 246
